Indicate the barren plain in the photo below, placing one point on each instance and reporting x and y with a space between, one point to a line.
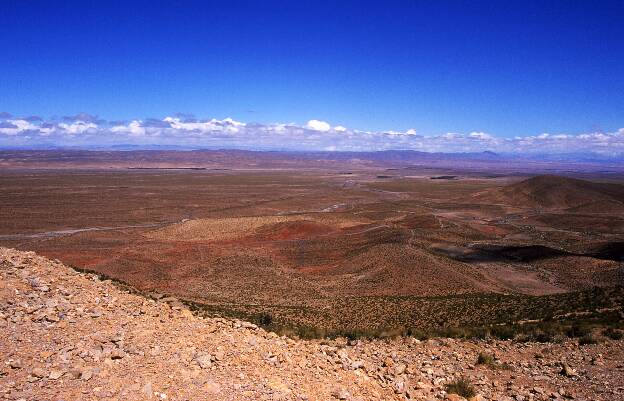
356 248
238 275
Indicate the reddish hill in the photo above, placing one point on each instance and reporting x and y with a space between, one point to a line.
555 192
290 230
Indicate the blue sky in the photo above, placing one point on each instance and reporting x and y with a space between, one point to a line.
508 69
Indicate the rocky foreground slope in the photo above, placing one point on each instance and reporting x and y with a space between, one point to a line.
65 335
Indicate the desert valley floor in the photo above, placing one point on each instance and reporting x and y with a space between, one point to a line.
345 249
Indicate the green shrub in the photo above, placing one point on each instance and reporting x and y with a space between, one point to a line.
504 332
462 387
577 331
538 336
419 334
454 332
588 340
354 334
265 319
544 332
613 334
486 359
505 366
309 333
480 333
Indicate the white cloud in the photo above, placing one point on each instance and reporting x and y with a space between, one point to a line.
315 135
14 127
134 128
77 127
230 122
483 136
409 132
318 125
225 125
279 128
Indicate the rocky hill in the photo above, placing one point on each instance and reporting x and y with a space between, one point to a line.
70 336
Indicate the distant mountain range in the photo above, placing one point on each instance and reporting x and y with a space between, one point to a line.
126 156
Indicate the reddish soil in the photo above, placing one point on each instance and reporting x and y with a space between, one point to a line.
284 241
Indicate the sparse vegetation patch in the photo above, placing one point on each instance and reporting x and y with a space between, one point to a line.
462 387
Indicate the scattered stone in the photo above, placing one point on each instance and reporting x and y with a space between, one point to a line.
117 354
187 314
399 369
340 394
75 373
567 371
86 374
16 364
204 361
219 356
211 388
147 390
56 374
